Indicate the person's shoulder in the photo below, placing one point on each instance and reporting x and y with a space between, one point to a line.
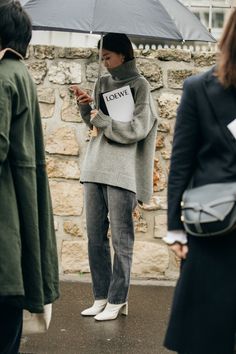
10 68
140 78
13 72
141 81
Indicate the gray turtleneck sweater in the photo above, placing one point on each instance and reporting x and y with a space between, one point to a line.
122 154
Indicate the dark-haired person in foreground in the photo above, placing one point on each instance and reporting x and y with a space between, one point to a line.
117 171
203 316
28 255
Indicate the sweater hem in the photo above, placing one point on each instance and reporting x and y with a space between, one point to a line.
116 180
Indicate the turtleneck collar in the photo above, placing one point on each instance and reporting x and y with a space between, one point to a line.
124 71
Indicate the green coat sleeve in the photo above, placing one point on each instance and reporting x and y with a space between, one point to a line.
5 120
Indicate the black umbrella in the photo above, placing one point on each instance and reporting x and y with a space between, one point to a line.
163 19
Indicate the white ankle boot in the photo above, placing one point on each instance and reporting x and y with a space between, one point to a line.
111 311
98 306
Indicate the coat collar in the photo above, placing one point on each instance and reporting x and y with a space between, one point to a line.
223 103
4 51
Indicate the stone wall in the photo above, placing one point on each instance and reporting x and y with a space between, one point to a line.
66 137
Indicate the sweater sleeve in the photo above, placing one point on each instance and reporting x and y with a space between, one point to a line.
141 124
174 236
5 121
85 113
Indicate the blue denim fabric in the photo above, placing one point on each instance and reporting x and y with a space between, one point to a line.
110 205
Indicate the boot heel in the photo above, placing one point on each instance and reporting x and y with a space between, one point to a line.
124 310
111 312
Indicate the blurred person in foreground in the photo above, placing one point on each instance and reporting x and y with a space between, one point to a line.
28 255
117 171
203 316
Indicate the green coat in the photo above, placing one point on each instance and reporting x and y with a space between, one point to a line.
28 253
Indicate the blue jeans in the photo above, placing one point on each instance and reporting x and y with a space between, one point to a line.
100 201
10 327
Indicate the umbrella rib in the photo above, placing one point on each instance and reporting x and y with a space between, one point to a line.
93 17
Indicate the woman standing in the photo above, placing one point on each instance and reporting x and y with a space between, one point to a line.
203 317
28 254
117 171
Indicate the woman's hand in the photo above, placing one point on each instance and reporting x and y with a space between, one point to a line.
93 113
82 96
180 250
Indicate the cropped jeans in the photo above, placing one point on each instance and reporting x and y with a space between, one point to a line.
107 205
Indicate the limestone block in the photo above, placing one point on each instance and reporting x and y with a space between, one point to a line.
44 126
174 266
160 141
150 259
63 141
46 96
160 226
175 78
140 224
72 228
92 72
38 70
166 154
168 104
58 167
146 52
204 58
167 166
167 54
74 53
44 51
159 177
56 224
67 198
69 111
63 72
163 127
156 203
46 110
151 70
74 257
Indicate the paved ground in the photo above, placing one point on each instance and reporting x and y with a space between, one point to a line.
141 332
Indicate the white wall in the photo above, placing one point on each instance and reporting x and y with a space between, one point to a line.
65 39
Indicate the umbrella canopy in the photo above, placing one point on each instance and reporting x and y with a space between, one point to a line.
163 19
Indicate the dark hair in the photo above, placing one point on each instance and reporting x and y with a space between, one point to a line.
118 43
15 26
226 69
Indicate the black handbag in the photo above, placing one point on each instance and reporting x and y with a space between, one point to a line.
209 210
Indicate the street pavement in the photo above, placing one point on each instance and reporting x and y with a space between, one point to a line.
141 332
